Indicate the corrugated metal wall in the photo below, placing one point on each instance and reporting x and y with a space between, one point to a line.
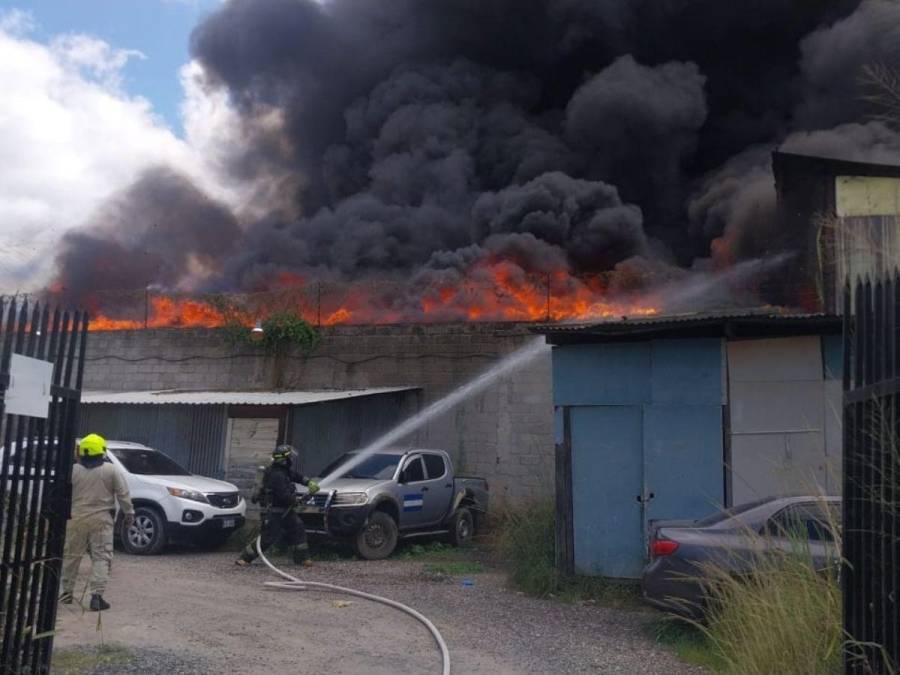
193 435
324 431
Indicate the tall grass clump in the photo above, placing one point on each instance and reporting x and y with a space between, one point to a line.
527 543
781 615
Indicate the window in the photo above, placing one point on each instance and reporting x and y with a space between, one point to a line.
805 521
148 462
414 472
434 464
374 466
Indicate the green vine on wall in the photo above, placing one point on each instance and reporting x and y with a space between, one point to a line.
282 330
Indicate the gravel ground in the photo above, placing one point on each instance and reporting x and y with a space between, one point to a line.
202 609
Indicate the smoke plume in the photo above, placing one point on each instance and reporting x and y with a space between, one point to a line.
431 139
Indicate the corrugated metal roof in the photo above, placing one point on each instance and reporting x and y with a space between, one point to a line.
180 397
743 322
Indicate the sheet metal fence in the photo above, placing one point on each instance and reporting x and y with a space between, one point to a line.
34 481
871 574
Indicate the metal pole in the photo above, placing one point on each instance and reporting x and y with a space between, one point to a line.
146 307
319 304
548 298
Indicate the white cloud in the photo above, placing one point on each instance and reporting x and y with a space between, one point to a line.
16 21
69 138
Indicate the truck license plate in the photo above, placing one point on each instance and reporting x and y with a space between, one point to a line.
227 523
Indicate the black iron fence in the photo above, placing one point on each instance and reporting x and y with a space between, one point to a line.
871 575
36 461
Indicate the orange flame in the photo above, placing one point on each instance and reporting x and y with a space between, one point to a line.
497 290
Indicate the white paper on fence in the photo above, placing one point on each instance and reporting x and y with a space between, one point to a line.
29 386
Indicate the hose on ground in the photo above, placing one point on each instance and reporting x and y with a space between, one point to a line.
292 583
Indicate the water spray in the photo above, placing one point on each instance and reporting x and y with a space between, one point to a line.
509 363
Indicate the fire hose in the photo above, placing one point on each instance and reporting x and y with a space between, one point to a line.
292 583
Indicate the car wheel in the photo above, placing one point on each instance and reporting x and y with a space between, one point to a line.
147 536
462 527
378 537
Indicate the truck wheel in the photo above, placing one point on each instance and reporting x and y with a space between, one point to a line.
462 527
378 537
148 534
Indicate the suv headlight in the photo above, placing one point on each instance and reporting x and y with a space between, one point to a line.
193 495
349 499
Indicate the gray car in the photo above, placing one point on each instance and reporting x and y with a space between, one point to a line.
733 539
393 494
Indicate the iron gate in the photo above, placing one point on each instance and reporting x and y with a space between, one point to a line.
36 462
871 474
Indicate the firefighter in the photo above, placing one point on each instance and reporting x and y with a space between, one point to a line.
277 495
96 487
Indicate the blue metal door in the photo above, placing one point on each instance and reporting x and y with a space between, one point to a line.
683 469
607 450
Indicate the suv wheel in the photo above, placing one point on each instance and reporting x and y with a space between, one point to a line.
462 527
378 537
148 534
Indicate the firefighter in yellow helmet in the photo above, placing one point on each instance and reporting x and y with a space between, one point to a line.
96 486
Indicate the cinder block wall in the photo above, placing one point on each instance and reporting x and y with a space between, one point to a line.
504 434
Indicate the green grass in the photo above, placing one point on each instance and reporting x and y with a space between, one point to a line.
81 661
689 642
433 550
453 569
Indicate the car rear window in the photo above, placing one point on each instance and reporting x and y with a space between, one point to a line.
726 514
144 462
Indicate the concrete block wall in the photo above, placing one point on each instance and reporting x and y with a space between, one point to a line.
505 433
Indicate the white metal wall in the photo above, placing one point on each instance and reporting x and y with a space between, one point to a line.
785 426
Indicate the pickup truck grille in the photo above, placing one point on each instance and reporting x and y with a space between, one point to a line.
317 500
224 500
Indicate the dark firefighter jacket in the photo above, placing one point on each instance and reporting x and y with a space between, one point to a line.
278 486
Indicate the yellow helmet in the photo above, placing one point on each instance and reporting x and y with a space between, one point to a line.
92 445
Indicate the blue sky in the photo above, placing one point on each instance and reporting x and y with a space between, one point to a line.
160 29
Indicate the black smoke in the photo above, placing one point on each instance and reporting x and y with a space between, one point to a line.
420 137
158 230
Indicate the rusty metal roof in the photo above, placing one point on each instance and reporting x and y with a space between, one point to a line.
736 323
182 397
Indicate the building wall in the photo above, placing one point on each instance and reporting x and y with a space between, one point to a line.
642 427
504 434
784 403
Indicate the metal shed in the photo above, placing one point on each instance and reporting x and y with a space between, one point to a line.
227 433
671 417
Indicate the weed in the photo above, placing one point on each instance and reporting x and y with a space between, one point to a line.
434 549
690 643
527 543
453 569
82 661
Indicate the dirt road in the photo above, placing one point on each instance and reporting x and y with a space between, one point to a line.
221 618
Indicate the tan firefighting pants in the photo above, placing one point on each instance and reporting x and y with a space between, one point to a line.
94 535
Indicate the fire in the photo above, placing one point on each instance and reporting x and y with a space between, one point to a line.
496 290
166 312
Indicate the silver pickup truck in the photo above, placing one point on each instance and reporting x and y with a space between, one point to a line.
393 494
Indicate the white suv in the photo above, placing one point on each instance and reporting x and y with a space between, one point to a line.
171 503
